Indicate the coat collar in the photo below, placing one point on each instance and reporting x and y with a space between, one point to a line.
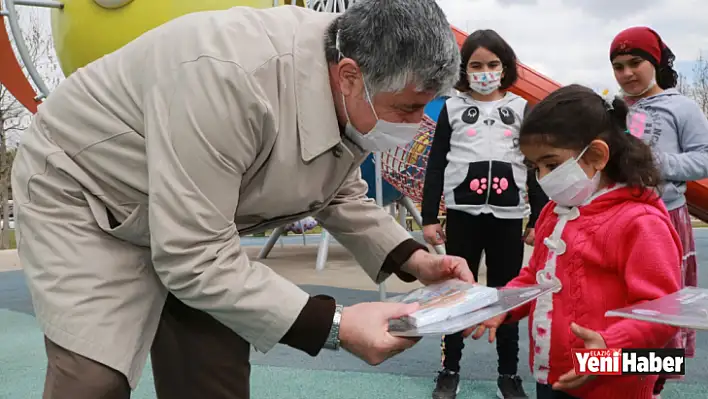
318 129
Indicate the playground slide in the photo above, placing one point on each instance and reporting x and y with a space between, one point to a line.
697 198
534 87
11 75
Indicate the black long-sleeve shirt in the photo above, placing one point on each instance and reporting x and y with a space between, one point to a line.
435 172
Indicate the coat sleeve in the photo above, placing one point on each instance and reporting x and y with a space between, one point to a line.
202 129
692 163
651 257
537 197
435 169
377 241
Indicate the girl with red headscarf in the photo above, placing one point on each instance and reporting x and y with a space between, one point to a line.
674 126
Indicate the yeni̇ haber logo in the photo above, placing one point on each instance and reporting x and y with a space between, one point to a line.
629 361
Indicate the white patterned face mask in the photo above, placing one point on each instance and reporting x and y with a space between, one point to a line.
484 82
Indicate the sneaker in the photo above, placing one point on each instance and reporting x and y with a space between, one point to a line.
447 385
510 387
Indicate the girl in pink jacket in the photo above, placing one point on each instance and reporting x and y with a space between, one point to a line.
607 239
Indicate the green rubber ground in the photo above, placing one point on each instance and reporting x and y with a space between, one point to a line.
22 365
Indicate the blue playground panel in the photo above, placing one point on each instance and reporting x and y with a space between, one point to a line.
368 172
433 109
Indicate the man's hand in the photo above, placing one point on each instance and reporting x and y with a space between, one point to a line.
429 268
363 330
529 236
593 340
434 234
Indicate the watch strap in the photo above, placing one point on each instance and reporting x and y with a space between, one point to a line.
332 342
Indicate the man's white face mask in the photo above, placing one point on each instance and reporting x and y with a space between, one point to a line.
384 136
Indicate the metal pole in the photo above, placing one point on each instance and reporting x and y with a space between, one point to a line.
402 213
410 206
322 251
22 48
379 201
271 242
40 3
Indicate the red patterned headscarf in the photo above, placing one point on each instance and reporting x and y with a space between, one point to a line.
640 41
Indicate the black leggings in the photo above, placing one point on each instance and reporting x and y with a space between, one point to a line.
503 246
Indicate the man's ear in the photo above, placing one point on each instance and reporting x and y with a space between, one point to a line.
348 77
598 154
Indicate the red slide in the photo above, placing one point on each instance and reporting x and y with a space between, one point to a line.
534 87
11 75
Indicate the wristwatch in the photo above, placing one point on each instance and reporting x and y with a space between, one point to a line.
332 342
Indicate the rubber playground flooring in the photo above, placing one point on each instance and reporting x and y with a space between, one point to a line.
288 374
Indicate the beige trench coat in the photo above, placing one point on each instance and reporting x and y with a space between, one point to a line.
212 126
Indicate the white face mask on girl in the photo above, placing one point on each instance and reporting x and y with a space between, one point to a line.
651 85
641 93
484 82
568 185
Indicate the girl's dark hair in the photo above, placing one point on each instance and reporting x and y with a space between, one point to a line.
666 76
490 40
573 116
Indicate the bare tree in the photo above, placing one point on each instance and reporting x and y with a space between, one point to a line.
683 85
699 86
14 118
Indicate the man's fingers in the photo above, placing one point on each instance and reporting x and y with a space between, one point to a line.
400 344
459 268
396 310
403 343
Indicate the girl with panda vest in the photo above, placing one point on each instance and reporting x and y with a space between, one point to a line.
475 163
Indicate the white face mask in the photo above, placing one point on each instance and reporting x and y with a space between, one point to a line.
642 92
568 185
484 82
384 136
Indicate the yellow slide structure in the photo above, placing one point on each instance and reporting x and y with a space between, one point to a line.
85 30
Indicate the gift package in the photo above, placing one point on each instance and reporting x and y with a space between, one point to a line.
454 305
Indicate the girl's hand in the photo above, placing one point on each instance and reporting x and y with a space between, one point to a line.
434 234
593 340
491 325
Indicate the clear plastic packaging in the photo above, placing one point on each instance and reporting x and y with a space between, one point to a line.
446 300
507 299
686 308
